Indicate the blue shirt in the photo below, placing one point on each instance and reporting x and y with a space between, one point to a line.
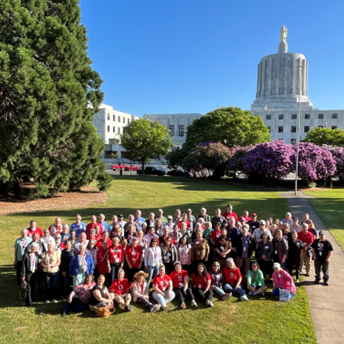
139 221
105 226
20 245
78 228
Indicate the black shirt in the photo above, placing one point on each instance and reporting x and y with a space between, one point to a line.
93 300
322 248
294 249
253 225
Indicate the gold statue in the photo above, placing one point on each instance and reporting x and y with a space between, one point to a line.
284 33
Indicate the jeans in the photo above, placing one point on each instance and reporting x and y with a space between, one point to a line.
321 266
276 292
181 296
75 306
114 270
229 289
152 271
204 296
219 291
65 285
79 278
50 284
161 300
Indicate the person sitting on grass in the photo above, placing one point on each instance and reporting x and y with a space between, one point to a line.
217 281
141 291
202 282
162 288
255 280
100 295
232 279
120 292
79 298
282 280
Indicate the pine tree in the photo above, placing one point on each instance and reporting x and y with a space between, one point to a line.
48 96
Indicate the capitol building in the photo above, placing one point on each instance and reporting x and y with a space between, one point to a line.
281 95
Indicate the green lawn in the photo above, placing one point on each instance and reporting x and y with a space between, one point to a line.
263 320
329 205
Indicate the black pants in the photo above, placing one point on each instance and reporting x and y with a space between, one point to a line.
294 264
265 266
131 273
188 269
169 267
181 296
30 279
18 268
324 267
204 296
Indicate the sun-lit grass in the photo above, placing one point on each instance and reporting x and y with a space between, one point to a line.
262 320
329 206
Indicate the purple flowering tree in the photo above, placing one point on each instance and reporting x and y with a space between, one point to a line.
315 163
235 162
269 161
338 156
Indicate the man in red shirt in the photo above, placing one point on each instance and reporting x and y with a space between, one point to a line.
133 256
246 214
34 229
229 213
56 228
120 292
180 281
307 239
215 234
115 257
93 224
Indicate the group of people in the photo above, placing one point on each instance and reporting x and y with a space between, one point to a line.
183 256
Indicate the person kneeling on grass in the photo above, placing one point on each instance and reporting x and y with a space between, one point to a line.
120 292
232 279
282 280
255 280
79 298
162 286
180 279
202 282
217 281
141 291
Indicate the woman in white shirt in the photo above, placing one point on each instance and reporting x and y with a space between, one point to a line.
152 259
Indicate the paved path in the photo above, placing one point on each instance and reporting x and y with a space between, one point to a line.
326 303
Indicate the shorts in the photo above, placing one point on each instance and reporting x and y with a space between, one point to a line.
122 299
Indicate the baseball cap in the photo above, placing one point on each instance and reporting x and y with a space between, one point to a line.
254 215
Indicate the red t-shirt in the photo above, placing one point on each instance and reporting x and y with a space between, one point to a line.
120 287
200 282
91 226
134 255
180 224
101 265
100 243
30 232
162 282
227 215
178 278
115 254
53 229
231 276
307 238
215 234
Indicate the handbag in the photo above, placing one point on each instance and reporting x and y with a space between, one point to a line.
102 312
284 295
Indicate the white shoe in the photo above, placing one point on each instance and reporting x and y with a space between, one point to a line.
47 301
297 281
244 298
211 304
54 301
155 308
193 304
207 302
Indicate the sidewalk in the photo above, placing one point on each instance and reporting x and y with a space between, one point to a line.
326 303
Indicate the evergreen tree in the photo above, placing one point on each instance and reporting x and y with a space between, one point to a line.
48 96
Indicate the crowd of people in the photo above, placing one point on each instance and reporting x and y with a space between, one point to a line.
182 256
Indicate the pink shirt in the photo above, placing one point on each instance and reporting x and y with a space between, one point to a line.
282 279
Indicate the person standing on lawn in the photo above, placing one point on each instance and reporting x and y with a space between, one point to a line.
322 251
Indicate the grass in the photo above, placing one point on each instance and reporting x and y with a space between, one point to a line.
329 206
262 320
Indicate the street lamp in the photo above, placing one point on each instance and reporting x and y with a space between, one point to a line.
298 133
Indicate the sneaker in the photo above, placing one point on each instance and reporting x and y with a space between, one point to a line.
207 302
155 308
129 308
63 313
244 298
211 304
54 301
193 304
316 281
307 274
326 283
225 297
164 309
297 281
47 301
183 306
252 293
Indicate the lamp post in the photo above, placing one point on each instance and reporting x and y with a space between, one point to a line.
298 133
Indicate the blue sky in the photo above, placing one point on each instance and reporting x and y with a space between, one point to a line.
183 56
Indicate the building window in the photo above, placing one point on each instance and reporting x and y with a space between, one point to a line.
280 129
108 128
320 126
108 116
123 120
293 116
293 141
171 129
307 116
119 118
320 116
128 120
119 130
268 117
293 129
306 128
114 118
280 116
181 130
269 129
113 129
334 116
334 127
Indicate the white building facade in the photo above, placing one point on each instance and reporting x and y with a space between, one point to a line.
281 83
